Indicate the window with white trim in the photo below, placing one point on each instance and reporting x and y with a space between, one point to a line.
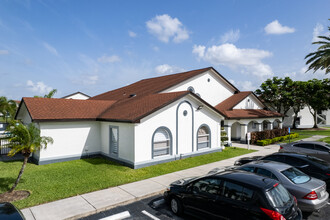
161 142
203 137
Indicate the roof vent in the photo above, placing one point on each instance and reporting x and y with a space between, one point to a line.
132 95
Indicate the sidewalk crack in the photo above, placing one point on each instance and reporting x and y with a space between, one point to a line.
88 202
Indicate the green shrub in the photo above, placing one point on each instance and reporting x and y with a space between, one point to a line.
276 139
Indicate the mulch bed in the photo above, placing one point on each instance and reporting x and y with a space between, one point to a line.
14 196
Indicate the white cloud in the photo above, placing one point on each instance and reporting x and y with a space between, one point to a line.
276 28
131 34
244 85
302 75
165 28
199 50
230 36
108 59
38 87
318 31
87 79
50 48
155 48
167 69
4 52
246 60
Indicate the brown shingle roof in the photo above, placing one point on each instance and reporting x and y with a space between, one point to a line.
232 101
138 107
152 85
250 113
65 109
45 109
226 108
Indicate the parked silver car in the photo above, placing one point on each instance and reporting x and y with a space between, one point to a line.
314 148
310 192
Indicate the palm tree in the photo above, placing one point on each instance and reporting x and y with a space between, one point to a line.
49 95
7 107
25 139
321 58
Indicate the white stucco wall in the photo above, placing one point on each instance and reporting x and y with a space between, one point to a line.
306 118
166 117
209 85
126 140
71 139
327 114
252 104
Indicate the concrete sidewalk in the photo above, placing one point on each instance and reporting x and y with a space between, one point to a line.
94 202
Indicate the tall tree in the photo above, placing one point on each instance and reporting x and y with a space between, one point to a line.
298 99
7 108
320 59
276 93
317 97
49 95
25 139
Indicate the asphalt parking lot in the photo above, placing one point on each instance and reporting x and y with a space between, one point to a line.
144 209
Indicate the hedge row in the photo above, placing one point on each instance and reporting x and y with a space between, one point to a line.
268 134
277 139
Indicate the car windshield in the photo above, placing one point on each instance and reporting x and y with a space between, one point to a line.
279 196
295 175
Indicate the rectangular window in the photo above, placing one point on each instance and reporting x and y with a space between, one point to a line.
203 141
236 192
161 148
114 140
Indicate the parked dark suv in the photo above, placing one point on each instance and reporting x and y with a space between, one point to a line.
314 148
310 165
233 194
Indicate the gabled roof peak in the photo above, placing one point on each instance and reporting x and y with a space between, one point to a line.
154 85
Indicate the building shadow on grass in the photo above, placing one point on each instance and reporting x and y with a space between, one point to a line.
99 160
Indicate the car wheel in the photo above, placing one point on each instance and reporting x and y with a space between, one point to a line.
176 206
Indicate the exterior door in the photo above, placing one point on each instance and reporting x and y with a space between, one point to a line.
114 134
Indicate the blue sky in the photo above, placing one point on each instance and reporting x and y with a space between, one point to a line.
96 46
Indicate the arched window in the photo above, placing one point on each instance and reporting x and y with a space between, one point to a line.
203 137
191 89
161 142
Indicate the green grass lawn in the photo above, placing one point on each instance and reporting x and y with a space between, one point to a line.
61 180
306 133
327 140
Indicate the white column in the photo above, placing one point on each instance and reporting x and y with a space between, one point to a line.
280 125
259 126
244 129
269 126
228 130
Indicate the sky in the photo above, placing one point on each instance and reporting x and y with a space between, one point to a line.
97 46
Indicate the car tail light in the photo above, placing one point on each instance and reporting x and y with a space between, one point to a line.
311 196
281 147
273 214
328 174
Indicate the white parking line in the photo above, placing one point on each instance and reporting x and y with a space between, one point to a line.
149 215
118 216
